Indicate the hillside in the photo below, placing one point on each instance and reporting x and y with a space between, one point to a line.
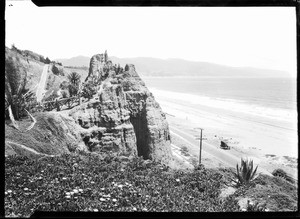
87 183
178 67
112 151
33 67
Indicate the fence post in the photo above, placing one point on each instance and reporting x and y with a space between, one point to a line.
57 105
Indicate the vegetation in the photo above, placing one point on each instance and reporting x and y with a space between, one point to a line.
47 61
74 83
270 193
256 207
126 67
85 182
74 78
16 95
89 89
245 173
57 70
78 67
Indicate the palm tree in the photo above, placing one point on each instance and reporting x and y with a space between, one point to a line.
74 78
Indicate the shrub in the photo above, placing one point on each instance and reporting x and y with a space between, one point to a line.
15 82
64 85
256 207
73 90
184 150
88 90
55 70
42 59
281 173
245 173
126 67
47 61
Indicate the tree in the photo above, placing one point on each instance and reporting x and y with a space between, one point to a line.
55 70
42 59
74 78
47 61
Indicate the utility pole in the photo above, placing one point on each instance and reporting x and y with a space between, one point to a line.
200 154
200 145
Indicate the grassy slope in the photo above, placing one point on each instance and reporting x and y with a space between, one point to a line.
54 81
111 185
52 134
34 68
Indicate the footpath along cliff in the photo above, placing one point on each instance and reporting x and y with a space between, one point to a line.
123 116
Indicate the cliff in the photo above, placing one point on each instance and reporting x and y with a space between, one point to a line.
123 116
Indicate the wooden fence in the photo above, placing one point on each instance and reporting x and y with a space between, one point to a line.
61 103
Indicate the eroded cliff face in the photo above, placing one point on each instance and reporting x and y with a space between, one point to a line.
123 116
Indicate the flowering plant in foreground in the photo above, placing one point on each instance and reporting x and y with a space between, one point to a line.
52 184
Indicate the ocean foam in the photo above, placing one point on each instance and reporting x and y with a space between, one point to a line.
229 104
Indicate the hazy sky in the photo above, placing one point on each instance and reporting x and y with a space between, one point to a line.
262 37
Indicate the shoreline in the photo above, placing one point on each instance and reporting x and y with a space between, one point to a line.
271 146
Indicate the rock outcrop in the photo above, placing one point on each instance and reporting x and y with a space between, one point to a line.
123 116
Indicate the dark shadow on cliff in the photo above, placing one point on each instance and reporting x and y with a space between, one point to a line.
139 122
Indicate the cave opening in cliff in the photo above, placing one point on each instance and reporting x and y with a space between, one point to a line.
139 123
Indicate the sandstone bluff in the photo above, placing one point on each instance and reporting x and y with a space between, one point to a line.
122 118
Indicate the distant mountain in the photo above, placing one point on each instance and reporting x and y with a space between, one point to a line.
78 61
146 66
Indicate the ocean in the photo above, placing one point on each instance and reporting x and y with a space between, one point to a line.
273 98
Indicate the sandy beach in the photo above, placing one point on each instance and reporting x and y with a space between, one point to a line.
270 142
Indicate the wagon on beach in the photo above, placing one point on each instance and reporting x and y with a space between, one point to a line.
224 146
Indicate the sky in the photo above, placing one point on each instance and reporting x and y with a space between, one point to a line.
261 37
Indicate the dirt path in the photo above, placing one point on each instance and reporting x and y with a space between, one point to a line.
29 149
41 85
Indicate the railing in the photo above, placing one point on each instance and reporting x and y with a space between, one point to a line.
59 104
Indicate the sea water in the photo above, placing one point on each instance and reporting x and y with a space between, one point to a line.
272 98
